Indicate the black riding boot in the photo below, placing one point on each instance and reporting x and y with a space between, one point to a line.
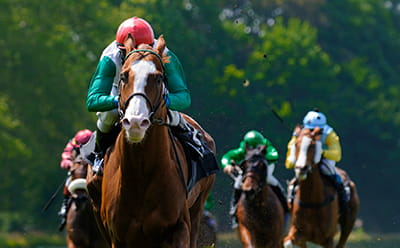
234 201
281 196
343 197
103 142
63 212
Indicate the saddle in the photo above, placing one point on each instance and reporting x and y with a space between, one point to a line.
200 159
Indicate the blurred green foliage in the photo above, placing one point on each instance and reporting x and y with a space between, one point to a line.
242 60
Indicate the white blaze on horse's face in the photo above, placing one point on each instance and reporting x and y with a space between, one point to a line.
301 174
136 119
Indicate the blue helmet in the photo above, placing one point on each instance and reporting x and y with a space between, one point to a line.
314 119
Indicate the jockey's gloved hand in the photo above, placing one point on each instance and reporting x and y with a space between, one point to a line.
167 101
229 169
116 101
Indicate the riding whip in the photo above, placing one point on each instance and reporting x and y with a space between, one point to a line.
50 201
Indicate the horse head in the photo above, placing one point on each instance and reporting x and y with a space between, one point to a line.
307 151
77 185
255 168
142 90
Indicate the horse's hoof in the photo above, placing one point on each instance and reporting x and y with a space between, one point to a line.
288 244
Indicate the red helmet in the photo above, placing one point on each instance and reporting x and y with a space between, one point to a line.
138 28
83 136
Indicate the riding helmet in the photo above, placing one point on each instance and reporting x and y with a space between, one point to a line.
140 30
314 119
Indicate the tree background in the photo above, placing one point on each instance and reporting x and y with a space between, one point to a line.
243 60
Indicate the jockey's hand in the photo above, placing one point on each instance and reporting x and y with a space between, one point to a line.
229 169
65 164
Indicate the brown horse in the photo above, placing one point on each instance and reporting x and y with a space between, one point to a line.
144 198
315 209
81 228
260 213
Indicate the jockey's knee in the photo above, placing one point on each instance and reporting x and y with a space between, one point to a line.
106 120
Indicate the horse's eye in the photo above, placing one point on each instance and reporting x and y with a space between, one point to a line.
160 78
123 78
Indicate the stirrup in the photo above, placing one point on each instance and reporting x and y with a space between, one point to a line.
98 165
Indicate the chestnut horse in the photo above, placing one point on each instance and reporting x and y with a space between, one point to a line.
260 214
144 197
81 227
315 208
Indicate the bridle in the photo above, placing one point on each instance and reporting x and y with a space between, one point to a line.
153 108
256 172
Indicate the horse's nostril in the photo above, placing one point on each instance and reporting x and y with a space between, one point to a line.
125 122
145 123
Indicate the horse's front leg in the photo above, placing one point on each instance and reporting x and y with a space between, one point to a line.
293 239
245 237
180 236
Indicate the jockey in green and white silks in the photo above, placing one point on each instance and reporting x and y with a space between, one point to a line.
252 139
102 94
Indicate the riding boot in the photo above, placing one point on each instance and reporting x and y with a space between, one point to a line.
278 190
342 194
103 142
234 202
63 212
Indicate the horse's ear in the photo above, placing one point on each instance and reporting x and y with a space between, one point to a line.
317 132
297 130
247 147
263 149
129 44
160 45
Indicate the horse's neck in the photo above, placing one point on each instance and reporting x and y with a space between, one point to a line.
153 148
260 199
312 189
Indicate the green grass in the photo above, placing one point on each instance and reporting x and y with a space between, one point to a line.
358 239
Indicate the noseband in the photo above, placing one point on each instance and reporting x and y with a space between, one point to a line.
153 109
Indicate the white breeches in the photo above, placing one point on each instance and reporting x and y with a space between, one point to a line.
106 120
328 167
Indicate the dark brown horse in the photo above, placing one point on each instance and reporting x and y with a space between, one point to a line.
260 213
81 227
144 198
315 209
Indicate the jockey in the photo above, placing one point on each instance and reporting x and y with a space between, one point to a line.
252 139
103 89
331 154
71 150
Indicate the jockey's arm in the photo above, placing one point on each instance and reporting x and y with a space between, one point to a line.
288 162
272 154
179 96
99 98
236 155
334 150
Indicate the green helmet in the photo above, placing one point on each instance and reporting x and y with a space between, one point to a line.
253 138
